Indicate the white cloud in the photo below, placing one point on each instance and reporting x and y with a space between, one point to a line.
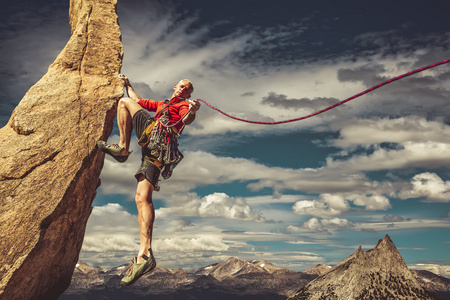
220 204
112 236
443 270
414 154
314 208
198 244
429 186
321 225
330 205
213 205
402 225
371 202
366 132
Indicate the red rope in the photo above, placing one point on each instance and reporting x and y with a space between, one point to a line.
327 108
334 105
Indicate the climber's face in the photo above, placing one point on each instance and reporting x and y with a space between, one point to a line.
183 89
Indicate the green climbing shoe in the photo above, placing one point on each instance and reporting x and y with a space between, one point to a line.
114 150
137 270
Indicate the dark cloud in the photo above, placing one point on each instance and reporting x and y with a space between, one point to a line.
248 94
392 218
368 74
274 99
369 230
32 34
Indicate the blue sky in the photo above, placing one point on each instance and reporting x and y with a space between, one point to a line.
296 194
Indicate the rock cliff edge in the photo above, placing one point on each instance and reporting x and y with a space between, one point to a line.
49 164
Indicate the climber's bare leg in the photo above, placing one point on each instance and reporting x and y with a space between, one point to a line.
146 215
126 109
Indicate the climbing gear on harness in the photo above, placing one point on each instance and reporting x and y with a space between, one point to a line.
115 150
162 140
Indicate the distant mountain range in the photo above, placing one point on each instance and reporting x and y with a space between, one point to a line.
379 273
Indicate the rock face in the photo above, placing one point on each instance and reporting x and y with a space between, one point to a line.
49 164
379 273
439 285
318 269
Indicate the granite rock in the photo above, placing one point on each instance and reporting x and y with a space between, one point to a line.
380 273
49 163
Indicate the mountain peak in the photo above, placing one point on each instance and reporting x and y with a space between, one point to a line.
233 267
379 273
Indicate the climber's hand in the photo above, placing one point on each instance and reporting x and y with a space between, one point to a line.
194 105
125 79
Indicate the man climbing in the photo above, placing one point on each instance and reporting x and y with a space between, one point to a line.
158 137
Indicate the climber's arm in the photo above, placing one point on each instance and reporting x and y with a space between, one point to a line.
130 91
190 116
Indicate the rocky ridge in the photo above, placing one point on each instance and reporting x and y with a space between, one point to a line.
379 273
49 164
439 285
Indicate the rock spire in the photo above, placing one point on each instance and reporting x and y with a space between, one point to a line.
49 165
380 273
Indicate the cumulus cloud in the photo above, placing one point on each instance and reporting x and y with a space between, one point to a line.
331 205
214 205
429 186
220 204
413 154
413 129
112 236
321 225
203 243
314 208
371 202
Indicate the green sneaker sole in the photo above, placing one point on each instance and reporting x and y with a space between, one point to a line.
105 148
138 271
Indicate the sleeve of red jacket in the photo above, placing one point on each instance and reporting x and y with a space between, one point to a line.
148 104
184 109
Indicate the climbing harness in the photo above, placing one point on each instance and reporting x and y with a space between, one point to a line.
162 140
329 107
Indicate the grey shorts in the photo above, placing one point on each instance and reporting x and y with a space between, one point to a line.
141 120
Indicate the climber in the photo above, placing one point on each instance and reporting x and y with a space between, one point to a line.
158 138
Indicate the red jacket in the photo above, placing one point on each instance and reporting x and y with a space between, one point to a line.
177 109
